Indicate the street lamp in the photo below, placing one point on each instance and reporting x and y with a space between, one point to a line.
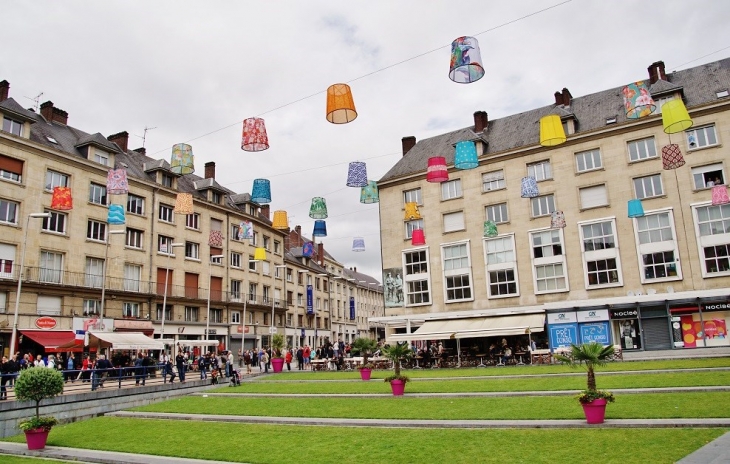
213 258
14 337
272 330
302 271
329 298
103 276
167 276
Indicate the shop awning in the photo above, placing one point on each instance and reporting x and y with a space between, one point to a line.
53 340
475 327
124 341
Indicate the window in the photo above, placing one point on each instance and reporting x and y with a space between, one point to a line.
235 317
135 204
277 247
600 254
701 137
417 278
657 247
235 231
96 230
300 299
267 243
235 259
542 206
642 149
501 267
451 189
266 267
91 307
649 186
235 290
7 258
215 197
548 259
413 225
457 272
588 160
132 277
97 194
192 250
11 168
493 181
94 272
166 180
13 126
101 157
134 238
130 310
251 264
454 221
661 101
412 196
166 213
497 213
191 314
593 197
55 179
708 176
168 312
8 212
540 170
216 315
56 223
713 236
164 244
192 221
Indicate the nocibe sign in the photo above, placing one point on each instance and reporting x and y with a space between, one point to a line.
45 322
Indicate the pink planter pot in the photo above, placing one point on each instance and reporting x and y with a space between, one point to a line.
277 364
36 439
595 411
365 374
398 387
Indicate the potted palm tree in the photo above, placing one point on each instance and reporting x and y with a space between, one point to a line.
277 352
37 384
397 353
592 399
364 347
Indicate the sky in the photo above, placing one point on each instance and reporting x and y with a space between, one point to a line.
192 71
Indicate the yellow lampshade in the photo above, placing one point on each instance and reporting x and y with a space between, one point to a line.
259 254
412 212
551 131
281 222
340 105
675 117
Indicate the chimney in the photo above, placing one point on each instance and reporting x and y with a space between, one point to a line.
656 72
4 90
354 268
265 209
558 98
320 253
298 230
141 151
210 170
480 121
47 110
567 97
121 139
408 143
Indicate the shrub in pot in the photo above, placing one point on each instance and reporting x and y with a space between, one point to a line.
37 384
364 347
397 353
277 352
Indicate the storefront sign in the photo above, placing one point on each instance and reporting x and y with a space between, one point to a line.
595 332
561 318
715 307
240 329
563 335
45 322
624 313
132 324
593 315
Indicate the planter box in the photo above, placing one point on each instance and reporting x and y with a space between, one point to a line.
277 364
365 374
36 439
595 411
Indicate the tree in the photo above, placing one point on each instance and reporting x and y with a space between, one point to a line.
37 384
364 347
396 353
277 345
592 355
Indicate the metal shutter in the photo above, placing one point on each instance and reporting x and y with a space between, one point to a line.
656 334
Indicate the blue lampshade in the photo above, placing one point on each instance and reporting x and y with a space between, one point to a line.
357 175
320 229
466 155
358 244
529 187
636 209
318 210
261 191
369 193
115 215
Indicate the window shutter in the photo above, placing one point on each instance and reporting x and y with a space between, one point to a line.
7 252
49 305
11 164
454 221
591 197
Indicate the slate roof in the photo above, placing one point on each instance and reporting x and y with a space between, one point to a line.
12 107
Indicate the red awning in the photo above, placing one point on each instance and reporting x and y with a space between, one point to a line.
52 339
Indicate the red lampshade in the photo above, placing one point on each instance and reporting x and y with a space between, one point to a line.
437 171
62 199
418 238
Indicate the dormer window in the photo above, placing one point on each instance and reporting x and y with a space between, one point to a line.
569 126
722 93
101 157
166 180
51 139
13 126
215 197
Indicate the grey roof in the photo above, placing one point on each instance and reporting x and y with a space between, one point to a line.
98 140
241 198
12 107
699 85
209 183
359 276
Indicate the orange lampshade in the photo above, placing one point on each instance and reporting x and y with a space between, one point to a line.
340 105
184 203
62 199
412 212
281 222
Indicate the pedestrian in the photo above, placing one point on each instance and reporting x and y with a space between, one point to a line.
169 370
300 358
306 353
102 369
4 377
70 367
240 358
202 368
39 362
139 369
180 364
247 361
229 364
254 358
265 361
287 359
261 359
163 365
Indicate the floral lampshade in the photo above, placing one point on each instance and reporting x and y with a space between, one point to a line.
245 230
637 100
672 157
636 209
675 117
340 105
61 199
254 136
308 250
115 215
318 210
184 203
720 195
320 229
259 254
490 229
465 66
281 221
528 187
215 239
369 193
418 238
181 161
551 131
437 171
116 182
261 191
557 220
358 244
412 212
466 155
357 174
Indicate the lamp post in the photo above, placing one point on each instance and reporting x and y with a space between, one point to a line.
302 271
272 330
329 298
167 276
213 258
103 276
14 336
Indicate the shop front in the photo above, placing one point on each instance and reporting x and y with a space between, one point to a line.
700 325
626 328
567 328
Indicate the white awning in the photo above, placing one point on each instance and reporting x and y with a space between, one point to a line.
474 327
126 341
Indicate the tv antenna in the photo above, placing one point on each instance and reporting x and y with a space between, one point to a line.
36 100
144 137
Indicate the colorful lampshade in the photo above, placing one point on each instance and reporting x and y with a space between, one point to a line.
184 203
61 199
320 229
357 174
308 250
261 191
636 209
551 131
418 238
369 193
182 159
675 117
437 171
358 244
318 210
637 100
340 105
412 212
116 182
720 195
215 239
490 229
254 136
671 156
245 230
466 155
466 61
528 187
557 220
281 222
259 254
115 216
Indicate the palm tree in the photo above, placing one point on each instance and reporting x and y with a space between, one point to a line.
592 354
396 353
365 347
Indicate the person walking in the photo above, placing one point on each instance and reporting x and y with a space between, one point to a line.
265 361
139 369
247 361
5 373
180 364
300 358
70 367
287 359
202 368
163 363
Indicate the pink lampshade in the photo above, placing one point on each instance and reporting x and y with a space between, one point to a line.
418 238
254 136
437 171
720 195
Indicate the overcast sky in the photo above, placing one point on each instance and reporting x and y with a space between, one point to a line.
194 70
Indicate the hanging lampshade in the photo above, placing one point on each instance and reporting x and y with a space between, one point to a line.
254 136
261 191
551 131
490 229
675 117
184 203
281 222
116 182
412 212
318 210
340 105
466 61
557 220
418 238
320 229
215 238
308 250
358 244
671 156
720 195
528 187
115 215
62 200
357 174
437 171
369 193
259 254
636 209
637 100
466 155
245 230
182 159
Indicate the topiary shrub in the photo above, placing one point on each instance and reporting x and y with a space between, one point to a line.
37 384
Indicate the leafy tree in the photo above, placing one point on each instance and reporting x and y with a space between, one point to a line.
37 384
